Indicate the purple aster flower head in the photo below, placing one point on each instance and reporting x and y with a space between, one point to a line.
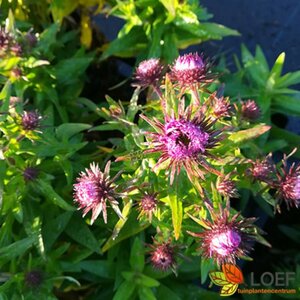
148 72
30 120
190 69
30 173
226 238
163 256
289 184
227 188
94 189
148 205
262 170
250 110
34 278
183 141
31 38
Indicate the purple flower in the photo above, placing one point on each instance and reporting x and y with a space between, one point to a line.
148 205
250 110
225 242
94 189
30 120
148 72
189 69
30 173
226 238
289 184
162 256
183 141
34 278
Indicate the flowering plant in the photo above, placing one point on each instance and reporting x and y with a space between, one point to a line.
162 180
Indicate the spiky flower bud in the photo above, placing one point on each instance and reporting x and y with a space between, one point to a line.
262 169
5 40
250 110
94 190
148 205
289 185
162 256
189 69
34 279
227 188
148 72
222 107
30 120
30 173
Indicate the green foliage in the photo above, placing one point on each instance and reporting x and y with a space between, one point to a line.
272 90
159 28
40 229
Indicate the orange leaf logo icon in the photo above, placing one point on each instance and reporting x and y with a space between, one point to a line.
233 273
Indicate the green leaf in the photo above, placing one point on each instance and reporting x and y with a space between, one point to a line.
67 130
124 229
148 281
259 55
137 259
79 231
277 68
146 293
207 265
288 79
254 68
48 191
248 134
292 232
292 139
125 291
177 214
68 71
5 96
164 292
61 9
169 49
170 5
54 228
286 105
47 40
101 268
128 45
216 31
16 249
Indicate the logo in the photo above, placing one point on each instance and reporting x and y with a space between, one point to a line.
231 276
229 279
